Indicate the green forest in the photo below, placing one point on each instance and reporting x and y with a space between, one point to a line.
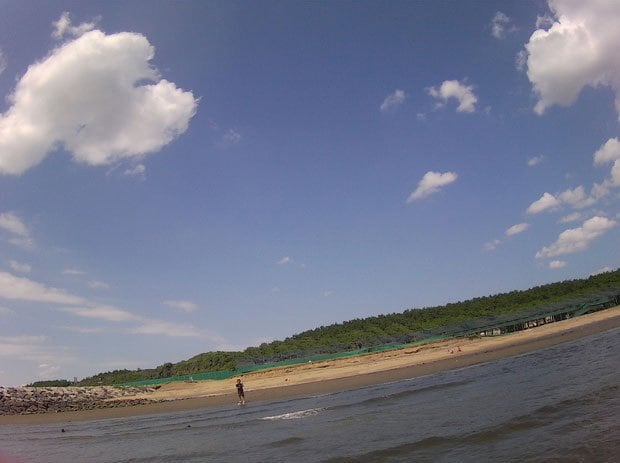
407 326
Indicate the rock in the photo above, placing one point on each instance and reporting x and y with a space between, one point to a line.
28 400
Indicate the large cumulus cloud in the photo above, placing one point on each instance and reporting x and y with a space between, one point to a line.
581 48
97 97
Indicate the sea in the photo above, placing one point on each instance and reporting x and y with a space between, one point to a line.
559 404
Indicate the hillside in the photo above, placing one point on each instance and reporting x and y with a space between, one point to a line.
406 326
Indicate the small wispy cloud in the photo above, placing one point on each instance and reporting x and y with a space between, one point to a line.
102 312
64 26
492 245
182 305
453 89
516 229
602 270
164 328
82 329
48 370
19 267
138 170
285 261
556 264
231 137
73 271
546 202
576 198
95 284
393 100
574 217
542 22
4 311
577 239
2 62
20 234
535 160
431 183
608 152
501 25
37 349
19 288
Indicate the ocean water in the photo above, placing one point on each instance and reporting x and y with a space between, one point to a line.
560 404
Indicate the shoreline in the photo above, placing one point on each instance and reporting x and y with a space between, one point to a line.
343 374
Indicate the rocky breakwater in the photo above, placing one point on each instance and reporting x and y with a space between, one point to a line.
31 400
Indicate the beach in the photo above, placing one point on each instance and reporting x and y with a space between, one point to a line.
342 374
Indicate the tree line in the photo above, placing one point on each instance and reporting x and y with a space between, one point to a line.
406 326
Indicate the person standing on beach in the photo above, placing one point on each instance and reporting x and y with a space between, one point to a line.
240 392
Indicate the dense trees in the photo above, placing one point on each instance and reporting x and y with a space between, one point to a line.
406 326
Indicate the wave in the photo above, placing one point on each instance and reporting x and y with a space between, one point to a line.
395 396
285 442
395 453
295 415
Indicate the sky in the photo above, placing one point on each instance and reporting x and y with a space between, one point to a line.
184 177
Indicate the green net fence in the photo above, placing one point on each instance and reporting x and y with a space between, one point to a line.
227 374
496 325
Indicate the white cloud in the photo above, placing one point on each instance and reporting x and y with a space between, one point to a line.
576 198
231 137
163 328
103 312
19 267
500 25
185 306
602 270
64 27
545 21
581 48
431 183
135 171
90 97
492 245
556 264
81 329
4 311
285 261
464 94
95 284
574 217
47 370
13 346
393 100
73 271
615 173
2 62
577 239
534 161
35 349
521 60
17 288
516 229
10 222
608 152
545 202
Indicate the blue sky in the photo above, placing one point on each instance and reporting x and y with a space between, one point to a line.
180 177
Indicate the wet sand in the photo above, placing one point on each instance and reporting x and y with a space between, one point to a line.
346 373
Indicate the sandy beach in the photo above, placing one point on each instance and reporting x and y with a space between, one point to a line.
347 373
